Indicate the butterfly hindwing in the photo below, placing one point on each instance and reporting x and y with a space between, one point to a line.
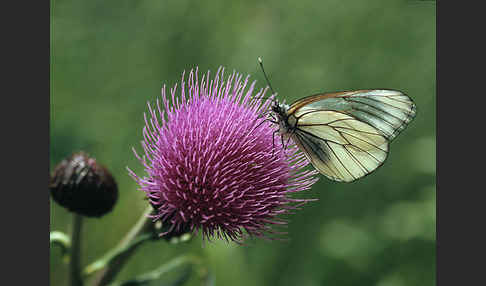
343 149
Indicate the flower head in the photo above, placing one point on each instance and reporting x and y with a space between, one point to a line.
83 186
213 164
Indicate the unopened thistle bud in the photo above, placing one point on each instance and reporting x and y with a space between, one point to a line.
83 186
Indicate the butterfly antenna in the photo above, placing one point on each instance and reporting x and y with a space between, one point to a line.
260 61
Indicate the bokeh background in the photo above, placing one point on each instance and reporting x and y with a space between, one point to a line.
108 58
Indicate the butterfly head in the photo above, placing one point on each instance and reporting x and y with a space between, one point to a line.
280 111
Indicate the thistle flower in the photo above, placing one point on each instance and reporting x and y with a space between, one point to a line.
83 186
213 164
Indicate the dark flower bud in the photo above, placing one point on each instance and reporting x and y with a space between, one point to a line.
83 186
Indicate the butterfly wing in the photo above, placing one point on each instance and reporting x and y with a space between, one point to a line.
389 111
346 135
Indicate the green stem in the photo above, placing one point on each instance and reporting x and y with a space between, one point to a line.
115 253
74 265
114 260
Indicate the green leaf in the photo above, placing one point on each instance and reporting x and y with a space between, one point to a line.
149 280
61 239
155 277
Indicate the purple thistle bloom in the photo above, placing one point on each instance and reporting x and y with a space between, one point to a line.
213 165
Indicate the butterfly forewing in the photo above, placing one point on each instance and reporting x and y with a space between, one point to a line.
346 135
389 111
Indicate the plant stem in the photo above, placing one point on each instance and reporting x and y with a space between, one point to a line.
74 265
124 250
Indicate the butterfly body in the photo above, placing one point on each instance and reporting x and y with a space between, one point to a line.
345 135
286 121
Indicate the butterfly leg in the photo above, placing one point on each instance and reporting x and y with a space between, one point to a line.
287 144
263 121
282 139
263 114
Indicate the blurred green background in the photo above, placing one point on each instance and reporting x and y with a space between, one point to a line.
108 58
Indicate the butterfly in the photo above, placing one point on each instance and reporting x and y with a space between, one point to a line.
344 135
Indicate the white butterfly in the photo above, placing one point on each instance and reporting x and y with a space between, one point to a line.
345 135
